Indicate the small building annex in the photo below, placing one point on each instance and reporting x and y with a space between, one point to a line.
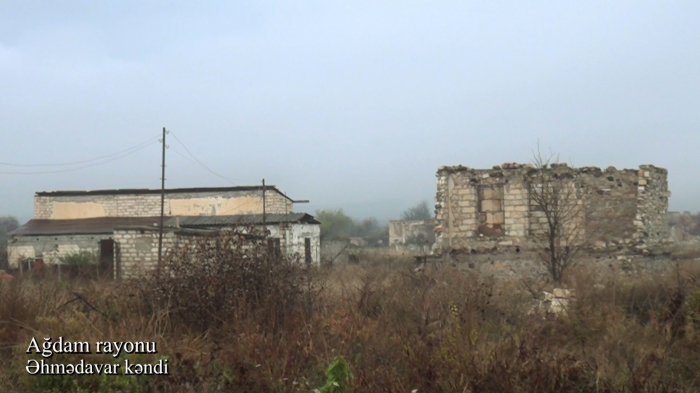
121 227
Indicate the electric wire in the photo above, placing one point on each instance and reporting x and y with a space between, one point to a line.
181 155
136 147
200 162
197 162
80 167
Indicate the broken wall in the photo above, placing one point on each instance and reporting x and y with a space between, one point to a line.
418 232
492 209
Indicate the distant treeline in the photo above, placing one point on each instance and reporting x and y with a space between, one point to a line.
336 224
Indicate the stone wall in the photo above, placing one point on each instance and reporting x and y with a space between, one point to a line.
148 204
503 266
492 209
651 220
403 232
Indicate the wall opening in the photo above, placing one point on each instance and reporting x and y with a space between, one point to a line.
106 264
491 213
274 246
307 250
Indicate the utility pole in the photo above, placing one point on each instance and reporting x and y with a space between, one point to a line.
264 209
162 206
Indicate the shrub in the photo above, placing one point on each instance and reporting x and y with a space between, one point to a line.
210 281
80 258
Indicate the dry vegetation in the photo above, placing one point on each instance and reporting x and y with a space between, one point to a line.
244 321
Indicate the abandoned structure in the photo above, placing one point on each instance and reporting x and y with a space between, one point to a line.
406 233
492 209
146 203
121 227
683 226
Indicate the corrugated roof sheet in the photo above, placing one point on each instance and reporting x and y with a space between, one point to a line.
81 226
241 219
96 225
142 191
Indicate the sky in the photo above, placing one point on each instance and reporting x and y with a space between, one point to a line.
350 105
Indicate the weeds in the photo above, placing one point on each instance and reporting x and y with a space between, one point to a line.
231 317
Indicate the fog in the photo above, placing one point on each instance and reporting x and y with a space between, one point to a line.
350 105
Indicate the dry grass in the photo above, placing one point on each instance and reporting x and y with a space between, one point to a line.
441 331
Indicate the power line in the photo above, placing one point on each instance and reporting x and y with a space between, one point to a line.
81 167
134 148
198 161
181 155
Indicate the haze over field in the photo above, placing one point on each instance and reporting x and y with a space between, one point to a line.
352 106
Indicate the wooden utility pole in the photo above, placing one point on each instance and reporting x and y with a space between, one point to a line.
264 210
162 206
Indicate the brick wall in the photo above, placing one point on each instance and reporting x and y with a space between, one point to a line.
136 252
148 205
276 203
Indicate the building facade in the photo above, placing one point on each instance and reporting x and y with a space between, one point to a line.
146 202
492 209
117 227
411 232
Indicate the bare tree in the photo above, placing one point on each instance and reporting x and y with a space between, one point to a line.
556 205
421 211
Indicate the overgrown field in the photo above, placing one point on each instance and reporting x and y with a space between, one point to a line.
238 319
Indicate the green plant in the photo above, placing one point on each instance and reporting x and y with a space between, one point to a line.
337 376
79 258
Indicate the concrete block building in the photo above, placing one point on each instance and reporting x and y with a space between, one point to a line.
120 227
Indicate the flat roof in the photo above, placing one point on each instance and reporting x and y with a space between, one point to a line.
145 191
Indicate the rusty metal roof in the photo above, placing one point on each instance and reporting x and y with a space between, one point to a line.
98 225
81 226
144 191
241 219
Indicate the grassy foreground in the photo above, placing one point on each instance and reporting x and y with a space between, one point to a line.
241 321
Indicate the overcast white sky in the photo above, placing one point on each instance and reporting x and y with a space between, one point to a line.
353 105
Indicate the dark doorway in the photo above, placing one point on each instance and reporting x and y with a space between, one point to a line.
307 250
106 267
274 247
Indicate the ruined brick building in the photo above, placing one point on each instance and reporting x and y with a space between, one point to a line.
404 233
121 227
491 209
